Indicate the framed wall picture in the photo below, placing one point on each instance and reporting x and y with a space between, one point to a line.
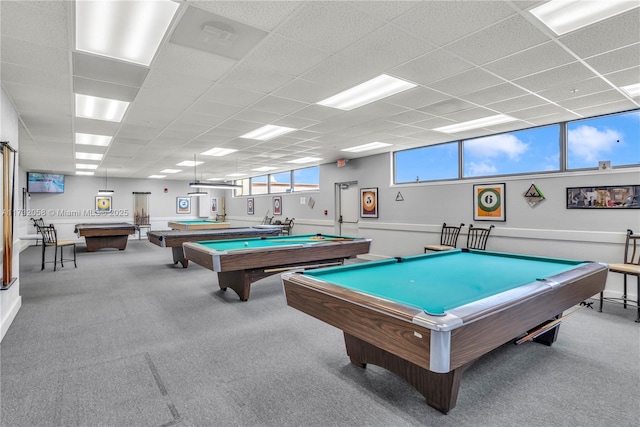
250 206
369 202
489 202
183 205
277 205
605 197
214 205
103 204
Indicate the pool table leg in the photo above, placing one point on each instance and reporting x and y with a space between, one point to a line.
440 390
178 256
239 281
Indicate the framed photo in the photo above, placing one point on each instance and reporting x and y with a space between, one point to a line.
214 205
183 205
103 204
489 202
606 197
277 205
369 202
250 206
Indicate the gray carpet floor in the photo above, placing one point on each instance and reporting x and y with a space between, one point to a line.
129 339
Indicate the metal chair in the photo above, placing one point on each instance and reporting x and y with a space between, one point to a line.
287 225
37 223
629 267
477 237
448 238
50 239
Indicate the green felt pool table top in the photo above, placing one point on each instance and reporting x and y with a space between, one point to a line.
272 242
438 282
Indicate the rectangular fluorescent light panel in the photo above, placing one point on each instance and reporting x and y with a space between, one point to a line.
85 166
264 169
93 107
171 170
267 132
367 92
89 156
366 147
127 30
564 16
84 173
157 176
90 139
305 160
189 163
219 152
632 90
237 174
475 124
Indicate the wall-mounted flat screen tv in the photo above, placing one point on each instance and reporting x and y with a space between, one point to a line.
39 182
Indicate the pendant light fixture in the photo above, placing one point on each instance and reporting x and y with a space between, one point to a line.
196 193
106 185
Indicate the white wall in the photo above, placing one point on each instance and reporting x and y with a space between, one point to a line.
10 300
403 227
77 204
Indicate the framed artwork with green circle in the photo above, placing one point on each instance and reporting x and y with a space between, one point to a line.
489 202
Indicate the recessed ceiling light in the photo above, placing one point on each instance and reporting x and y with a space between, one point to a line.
157 176
632 90
264 169
126 30
367 92
171 170
189 163
90 139
84 173
236 174
214 179
366 147
93 107
475 124
267 132
85 166
564 16
305 160
219 152
89 156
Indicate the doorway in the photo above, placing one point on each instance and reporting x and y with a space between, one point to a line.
347 206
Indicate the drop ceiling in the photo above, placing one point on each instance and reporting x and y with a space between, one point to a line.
469 59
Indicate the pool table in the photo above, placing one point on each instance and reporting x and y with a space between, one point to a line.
105 235
428 317
240 262
175 238
199 224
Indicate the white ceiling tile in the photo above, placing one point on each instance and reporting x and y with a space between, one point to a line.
462 18
43 23
505 38
266 15
432 67
587 101
468 81
625 77
556 77
604 36
530 61
256 78
329 26
493 94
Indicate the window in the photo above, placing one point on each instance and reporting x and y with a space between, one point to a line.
529 150
615 138
259 185
429 163
280 182
306 179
